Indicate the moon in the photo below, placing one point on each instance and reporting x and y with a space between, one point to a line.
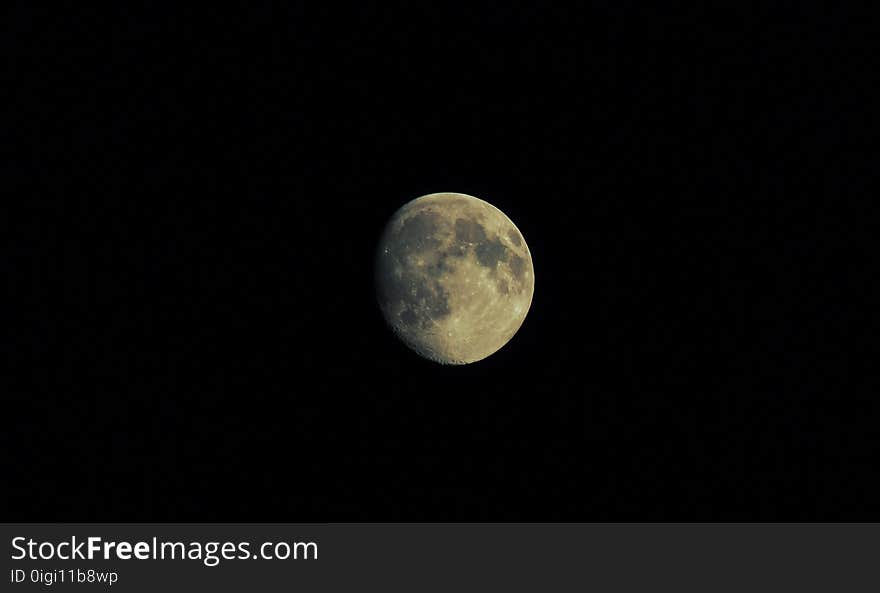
454 277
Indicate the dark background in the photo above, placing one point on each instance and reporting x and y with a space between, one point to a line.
194 198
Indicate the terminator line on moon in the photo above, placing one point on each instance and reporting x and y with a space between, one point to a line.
454 277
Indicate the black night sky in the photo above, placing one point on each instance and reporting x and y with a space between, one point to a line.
195 198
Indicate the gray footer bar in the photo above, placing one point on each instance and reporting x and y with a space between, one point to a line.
441 557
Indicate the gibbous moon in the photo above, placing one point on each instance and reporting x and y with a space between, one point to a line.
454 277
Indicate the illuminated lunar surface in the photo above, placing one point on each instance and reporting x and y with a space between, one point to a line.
454 277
